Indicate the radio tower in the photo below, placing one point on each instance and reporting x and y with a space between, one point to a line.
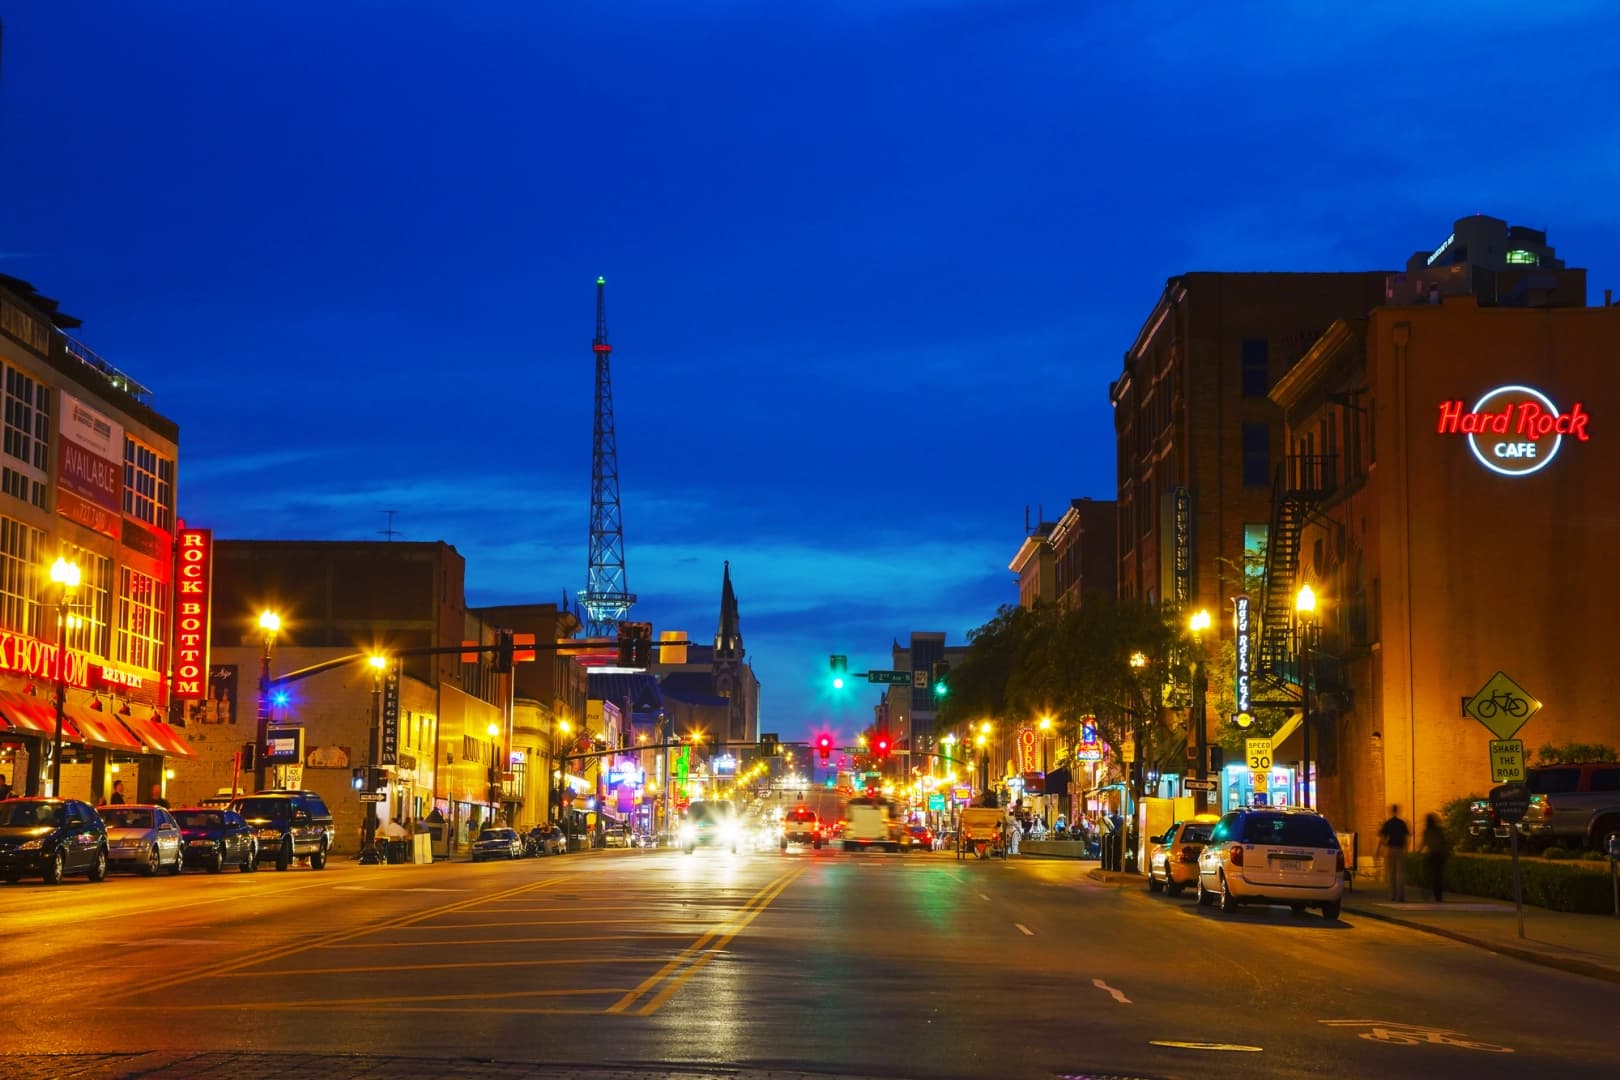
604 596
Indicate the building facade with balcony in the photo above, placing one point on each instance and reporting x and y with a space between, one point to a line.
1447 498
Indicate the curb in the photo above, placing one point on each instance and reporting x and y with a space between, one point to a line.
1116 878
1573 965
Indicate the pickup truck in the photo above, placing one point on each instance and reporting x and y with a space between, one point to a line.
1573 806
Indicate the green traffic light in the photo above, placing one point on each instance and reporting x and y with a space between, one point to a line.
838 684
939 690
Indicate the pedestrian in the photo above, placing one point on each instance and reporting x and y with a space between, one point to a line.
1435 850
5 788
157 796
118 793
1394 835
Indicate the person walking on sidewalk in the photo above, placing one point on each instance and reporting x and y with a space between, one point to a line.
1435 849
1394 835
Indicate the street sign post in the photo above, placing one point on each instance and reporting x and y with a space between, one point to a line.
1192 783
373 796
1502 705
1507 761
1259 751
919 680
895 678
1510 801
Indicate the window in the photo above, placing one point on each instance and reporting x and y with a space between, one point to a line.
1521 257
27 438
1605 780
148 485
1256 367
143 623
1254 557
1554 781
20 575
1256 455
1292 830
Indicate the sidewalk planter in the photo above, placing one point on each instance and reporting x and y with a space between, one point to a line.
1582 887
1059 849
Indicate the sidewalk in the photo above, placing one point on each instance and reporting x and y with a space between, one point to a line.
1579 944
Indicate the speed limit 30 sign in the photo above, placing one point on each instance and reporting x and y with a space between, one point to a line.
1259 752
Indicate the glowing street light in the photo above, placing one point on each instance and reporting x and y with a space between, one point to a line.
65 575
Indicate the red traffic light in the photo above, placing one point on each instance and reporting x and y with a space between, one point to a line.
824 743
882 745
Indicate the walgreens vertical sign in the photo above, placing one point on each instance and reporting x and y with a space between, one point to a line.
193 589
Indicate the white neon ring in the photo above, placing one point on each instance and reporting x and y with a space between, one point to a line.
1558 438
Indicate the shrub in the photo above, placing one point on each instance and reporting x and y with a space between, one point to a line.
1454 820
1556 886
1555 852
1573 753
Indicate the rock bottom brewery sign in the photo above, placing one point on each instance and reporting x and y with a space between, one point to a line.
1514 430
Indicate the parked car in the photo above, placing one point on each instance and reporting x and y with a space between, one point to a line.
1272 855
616 836
1573 806
52 838
545 840
288 824
922 837
142 838
214 838
499 843
1173 858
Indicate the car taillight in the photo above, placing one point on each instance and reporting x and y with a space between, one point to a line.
1338 862
1237 855
1188 854
1546 805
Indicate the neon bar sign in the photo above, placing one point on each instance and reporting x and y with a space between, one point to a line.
1529 429
1245 660
195 579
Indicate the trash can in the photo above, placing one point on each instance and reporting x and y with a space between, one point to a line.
399 850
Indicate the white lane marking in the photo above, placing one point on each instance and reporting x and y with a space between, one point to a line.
1239 1047
1027 932
982 896
1117 995
1387 1031
352 888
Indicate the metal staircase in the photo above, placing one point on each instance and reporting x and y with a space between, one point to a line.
1300 485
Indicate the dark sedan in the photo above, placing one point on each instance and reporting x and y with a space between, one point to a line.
213 839
497 844
51 838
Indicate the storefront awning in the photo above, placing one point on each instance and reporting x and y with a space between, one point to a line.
158 737
27 715
1287 742
98 729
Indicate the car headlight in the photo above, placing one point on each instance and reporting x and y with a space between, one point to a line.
728 833
688 832
31 845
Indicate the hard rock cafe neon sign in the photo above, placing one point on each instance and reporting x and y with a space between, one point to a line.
1514 430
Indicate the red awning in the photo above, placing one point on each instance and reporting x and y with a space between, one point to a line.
28 715
98 729
157 737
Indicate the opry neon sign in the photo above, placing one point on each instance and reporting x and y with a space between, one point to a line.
1514 430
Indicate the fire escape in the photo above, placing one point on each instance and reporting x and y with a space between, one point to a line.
1301 485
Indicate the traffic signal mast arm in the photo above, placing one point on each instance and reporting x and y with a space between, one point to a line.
583 645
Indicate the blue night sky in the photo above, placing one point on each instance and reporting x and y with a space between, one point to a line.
871 263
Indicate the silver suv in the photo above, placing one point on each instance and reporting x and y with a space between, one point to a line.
1573 805
1272 855
289 825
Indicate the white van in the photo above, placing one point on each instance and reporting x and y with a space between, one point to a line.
870 823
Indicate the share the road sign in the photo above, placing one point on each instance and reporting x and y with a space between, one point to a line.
1507 761
1502 705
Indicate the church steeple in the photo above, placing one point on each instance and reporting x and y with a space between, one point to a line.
728 638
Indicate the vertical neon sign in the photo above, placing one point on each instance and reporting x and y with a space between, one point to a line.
194 579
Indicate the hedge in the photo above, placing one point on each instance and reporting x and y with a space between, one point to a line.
1557 886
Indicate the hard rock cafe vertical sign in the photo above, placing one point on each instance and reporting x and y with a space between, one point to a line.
193 595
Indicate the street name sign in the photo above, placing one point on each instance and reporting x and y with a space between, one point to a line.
896 678
373 796
1507 761
1510 801
1192 783
1502 705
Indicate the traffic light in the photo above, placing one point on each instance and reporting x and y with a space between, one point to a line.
1217 759
824 746
635 644
838 664
881 744
502 663
941 672
358 780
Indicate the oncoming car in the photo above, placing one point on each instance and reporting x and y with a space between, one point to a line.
710 824
1273 855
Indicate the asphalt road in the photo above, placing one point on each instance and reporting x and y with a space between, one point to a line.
863 964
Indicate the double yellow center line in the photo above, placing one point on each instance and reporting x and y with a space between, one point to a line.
663 983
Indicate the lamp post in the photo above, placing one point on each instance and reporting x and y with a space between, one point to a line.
66 577
982 741
269 623
1305 630
1045 727
369 855
1200 683
560 730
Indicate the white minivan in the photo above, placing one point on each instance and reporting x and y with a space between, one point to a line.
869 823
1273 855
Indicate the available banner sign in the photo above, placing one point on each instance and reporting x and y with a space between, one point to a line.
91 460
192 588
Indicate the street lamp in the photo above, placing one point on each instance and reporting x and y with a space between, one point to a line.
66 577
1305 631
369 855
1200 683
559 755
269 623
495 769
